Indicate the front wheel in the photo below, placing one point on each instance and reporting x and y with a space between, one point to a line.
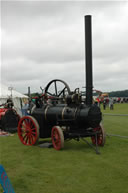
57 137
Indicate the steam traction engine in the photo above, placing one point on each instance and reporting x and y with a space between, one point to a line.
62 114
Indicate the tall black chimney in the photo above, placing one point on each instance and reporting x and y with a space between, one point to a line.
88 56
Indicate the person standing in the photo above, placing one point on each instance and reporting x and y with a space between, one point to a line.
104 104
111 104
25 108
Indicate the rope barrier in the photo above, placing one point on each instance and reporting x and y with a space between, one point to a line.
114 135
109 135
110 114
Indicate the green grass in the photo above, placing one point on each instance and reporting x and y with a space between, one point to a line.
116 124
118 109
75 169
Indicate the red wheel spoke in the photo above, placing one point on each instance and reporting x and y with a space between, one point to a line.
23 129
29 139
57 138
34 129
25 136
32 138
27 123
28 130
26 139
31 125
23 124
33 133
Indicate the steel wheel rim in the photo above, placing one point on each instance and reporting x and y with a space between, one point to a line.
57 138
28 130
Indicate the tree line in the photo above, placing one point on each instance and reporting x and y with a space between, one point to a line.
123 93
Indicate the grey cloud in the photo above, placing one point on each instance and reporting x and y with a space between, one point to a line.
45 40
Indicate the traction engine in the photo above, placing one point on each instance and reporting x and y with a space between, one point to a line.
62 114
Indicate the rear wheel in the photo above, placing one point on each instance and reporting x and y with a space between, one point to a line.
57 137
28 130
101 136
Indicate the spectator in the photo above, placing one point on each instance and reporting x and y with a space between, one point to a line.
9 103
111 104
104 104
25 108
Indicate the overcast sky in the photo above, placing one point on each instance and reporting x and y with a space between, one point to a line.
43 40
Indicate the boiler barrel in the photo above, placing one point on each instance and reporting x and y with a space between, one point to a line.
81 117
89 117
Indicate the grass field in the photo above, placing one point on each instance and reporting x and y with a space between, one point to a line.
75 169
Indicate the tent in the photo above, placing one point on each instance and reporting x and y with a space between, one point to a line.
18 98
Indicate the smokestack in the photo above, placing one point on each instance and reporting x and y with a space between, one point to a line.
88 56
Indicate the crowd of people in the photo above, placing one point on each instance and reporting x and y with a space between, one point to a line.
110 101
121 100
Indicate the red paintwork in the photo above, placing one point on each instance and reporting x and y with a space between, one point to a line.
48 97
100 137
2 112
56 139
27 130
